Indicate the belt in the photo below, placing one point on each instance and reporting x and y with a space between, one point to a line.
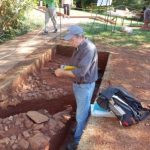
75 82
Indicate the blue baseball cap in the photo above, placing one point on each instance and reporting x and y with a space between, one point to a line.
72 31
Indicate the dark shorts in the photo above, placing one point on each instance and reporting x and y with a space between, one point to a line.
147 15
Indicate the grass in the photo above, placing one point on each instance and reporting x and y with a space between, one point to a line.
111 35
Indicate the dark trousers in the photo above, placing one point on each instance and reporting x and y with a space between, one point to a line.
66 9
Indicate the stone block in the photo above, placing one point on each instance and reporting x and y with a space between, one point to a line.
37 117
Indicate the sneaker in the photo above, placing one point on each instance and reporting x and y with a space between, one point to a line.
72 146
55 31
45 32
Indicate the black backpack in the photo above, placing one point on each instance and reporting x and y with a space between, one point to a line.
125 106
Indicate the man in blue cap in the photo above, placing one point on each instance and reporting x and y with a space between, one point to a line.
85 60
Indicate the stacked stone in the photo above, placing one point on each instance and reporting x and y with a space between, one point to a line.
32 130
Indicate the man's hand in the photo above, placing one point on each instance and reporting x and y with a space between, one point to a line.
63 73
59 72
42 8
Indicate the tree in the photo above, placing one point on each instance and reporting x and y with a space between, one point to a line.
84 3
136 4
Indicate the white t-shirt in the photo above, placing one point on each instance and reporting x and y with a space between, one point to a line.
67 2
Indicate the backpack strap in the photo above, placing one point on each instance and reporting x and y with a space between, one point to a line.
144 115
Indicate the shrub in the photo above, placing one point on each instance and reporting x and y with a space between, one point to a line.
12 15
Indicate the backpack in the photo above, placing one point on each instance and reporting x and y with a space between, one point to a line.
126 107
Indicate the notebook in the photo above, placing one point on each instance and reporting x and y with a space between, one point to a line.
98 111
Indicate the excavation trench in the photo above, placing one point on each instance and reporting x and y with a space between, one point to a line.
43 93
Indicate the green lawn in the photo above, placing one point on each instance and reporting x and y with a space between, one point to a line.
113 36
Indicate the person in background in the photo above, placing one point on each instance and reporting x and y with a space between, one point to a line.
66 4
84 75
146 19
142 13
50 14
